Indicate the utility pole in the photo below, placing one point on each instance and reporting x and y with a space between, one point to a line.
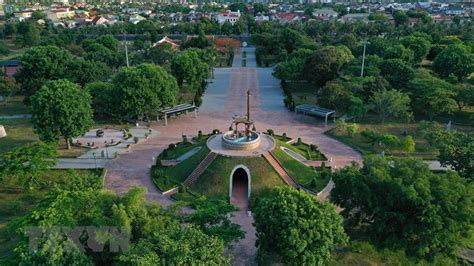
363 60
126 49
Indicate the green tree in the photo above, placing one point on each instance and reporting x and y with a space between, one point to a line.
143 89
3 49
456 150
27 34
397 72
61 108
162 55
408 144
189 69
40 64
103 99
83 71
457 60
419 45
390 103
335 96
464 95
108 41
400 203
8 86
357 107
26 163
298 227
325 64
400 52
100 53
400 17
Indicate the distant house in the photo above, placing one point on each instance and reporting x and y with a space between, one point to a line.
286 17
349 18
59 14
261 18
325 13
22 15
135 19
99 21
165 40
227 16
455 11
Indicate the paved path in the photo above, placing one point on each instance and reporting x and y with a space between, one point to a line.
225 97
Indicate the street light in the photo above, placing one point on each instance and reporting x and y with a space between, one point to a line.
106 150
95 161
363 59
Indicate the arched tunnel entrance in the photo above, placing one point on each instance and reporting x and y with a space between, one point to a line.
240 185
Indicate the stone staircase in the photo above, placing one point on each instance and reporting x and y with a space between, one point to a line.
280 170
200 169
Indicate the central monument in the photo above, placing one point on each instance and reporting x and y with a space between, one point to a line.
246 139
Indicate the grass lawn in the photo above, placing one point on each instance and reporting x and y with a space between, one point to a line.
303 92
214 182
304 175
423 149
302 149
14 106
19 132
180 149
363 253
168 177
15 203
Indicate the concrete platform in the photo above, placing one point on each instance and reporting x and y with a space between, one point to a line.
266 144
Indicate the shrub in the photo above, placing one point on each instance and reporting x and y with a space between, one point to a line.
200 134
171 146
216 131
185 139
270 132
135 139
299 141
284 136
352 129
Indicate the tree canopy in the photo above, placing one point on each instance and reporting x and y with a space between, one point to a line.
143 89
298 227
61 108
400 203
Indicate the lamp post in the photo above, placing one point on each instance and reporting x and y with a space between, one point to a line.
363 59
95 161
106 150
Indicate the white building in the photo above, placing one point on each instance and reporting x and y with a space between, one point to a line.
229 16
60 14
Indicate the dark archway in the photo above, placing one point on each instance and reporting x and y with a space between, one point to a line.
240 188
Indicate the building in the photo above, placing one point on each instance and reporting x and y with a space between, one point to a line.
165 40
227 16
349 18
325 13
60 14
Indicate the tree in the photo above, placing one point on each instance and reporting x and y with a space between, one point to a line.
103 100
260 8
98 52
457 60
432 96
456 150
419 45
155 234
38 15
325 63
27 34
464 95
189 69
143 89
108 41
400 17
298 227
61 108
397 72
8 86
162 55
390 103
400 203
335 96
26 163
371 66
291 69
83 71
3 49
400 52
408 144
40 64
357 108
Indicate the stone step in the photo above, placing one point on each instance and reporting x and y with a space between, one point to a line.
200 169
